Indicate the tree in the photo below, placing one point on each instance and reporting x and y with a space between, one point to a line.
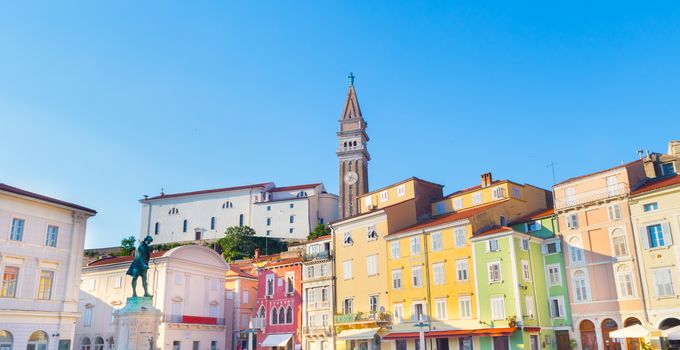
319 230
238 243
127 246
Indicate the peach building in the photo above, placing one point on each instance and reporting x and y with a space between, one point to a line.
240 305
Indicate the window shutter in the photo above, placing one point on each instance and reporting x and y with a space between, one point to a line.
644 236
539 226
667 236
558 246
544 249
488 245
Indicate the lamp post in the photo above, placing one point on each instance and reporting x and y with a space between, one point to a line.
421 332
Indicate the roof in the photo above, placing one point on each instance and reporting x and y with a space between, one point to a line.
598 172
18 191
401 182
657 184
236 271
216 190
475 188
451 217
321 238
296 187
287 261
122 259
538 214
493 230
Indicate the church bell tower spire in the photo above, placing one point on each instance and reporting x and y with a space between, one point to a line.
352 154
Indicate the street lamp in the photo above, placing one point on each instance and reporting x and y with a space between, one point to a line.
421 332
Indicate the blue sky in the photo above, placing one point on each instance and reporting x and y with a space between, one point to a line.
101 103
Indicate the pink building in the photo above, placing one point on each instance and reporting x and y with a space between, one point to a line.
279 308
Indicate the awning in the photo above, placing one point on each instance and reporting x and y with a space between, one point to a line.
277 339
673 333
492 332
531 329
401 335
358 334
635 331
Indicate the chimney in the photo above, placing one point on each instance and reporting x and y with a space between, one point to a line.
257 253
486 180
674 148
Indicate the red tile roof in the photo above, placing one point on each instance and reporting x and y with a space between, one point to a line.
236 271
321 238
287 261
446 218
225 189
293 188
493 230
474 188
597 172
657 184
121 259
429 183
15 190
538 214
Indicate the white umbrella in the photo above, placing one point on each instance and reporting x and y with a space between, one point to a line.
635 331
673 333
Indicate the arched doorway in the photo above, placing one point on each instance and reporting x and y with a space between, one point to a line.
37 341
588 336
632 343
98 343
669 323
609 325
6 340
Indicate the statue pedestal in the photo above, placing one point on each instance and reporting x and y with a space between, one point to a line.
137 324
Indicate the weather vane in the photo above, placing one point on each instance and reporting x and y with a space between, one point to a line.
351 77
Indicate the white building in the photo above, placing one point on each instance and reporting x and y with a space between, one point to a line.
280 212
187 283
317 294
41 250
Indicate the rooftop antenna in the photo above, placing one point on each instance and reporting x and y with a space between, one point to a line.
162 193
146 196
552 165
640 153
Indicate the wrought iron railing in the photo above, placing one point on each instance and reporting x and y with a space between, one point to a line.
363 317
324 255
598 194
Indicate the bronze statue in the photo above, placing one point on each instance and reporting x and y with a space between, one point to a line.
140 265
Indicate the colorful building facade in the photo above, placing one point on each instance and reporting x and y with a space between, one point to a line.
240 307
318 295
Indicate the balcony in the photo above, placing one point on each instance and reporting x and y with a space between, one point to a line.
319 305
257 323
187 319
318 331
596 195
363 317
323 255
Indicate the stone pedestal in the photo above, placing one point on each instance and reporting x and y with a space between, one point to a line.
137 324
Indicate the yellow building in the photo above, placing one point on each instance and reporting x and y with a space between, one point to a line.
430 264
361 258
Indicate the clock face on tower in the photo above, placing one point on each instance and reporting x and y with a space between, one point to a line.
351 178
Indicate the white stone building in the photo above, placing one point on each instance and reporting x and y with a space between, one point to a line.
317 294
279 212
187 283
41 250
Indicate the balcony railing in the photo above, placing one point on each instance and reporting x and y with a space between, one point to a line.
318 305
324 255
188 319
257 323
318 330
595 195
363 317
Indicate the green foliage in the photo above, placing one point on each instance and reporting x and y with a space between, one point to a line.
238 243
168 246
127 246
270 245
319 230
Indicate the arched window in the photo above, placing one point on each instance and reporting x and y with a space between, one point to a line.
261 311
576 251
111 343
588 336
282 315
156 228
289 315
625 281
212 223
6 340
345 143
302 194
619 245
240 220
227 205
85 344
274 319
355 142
98 343
185 223
37 341
580 283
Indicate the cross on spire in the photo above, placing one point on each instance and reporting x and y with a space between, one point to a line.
351 77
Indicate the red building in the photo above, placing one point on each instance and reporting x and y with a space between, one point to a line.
279 308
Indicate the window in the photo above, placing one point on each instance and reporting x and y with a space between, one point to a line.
373 303
440 308
439 275
45 285
291 230
614 212
270 285
52 236
269 208
93 284
371 234
551 248
460 234
268 232
529 305
570 195
311 320
415 246
369 202
462 270
212 311
396 279
656 236
274 318
663 283
185 224
401 190
417 276
557 307
493 245
289 315
324 322
347 306
394 249
156 228
418 312
533 226
497 308
619 245
612 185
347 269
580 286
246 297
227 205
502 220
498 193
526 272
624 279
576 255
324 295
324 270
176 345
383 196
554 275
494 272
372 265
650 207
572 221
477 198
667 169
291 219
118 282
516 193
9 282
398 313
302 194
347 240
86 344
436 241
524 244
212 223
87 317
213 345
310 272
17 230
440 208
269 221
457 203
240 220
311 296
465 306
290 283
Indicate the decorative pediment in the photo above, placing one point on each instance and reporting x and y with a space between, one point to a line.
213 303
177 299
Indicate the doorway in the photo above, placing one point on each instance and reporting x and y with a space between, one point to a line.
609 325
501 343
442 343
588 337
562 338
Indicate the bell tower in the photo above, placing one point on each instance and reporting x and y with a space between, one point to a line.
352 154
